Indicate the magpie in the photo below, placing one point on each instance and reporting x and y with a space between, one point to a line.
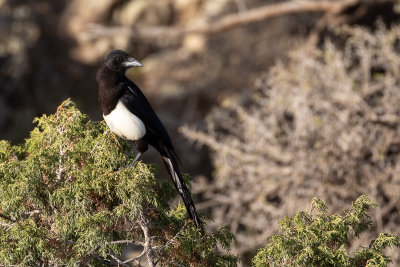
129 115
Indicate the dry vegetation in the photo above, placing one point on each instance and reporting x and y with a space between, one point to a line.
324 125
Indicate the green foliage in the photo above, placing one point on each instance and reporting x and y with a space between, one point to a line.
316 239
64 201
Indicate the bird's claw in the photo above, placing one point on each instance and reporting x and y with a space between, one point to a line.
132 162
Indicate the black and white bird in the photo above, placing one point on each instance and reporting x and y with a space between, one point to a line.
129 115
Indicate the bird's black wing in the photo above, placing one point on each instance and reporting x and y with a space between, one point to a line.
157 136
133 98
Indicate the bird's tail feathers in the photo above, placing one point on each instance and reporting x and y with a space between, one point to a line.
173 169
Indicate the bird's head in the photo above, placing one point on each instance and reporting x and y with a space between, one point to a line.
120 61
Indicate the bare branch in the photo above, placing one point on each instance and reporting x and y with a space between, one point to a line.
144 224
173 238
31 213
95 31
135 258
9 225
119 261
127 242
60 169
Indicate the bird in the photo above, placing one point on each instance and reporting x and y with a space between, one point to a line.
129 115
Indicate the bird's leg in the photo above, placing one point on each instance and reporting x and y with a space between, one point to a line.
141 147
134 160
115 138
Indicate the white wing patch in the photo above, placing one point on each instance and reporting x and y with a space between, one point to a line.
124 123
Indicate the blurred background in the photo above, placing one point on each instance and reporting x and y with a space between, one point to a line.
269 103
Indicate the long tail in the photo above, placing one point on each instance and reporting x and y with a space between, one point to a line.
173 169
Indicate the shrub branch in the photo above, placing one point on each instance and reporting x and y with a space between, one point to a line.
95 31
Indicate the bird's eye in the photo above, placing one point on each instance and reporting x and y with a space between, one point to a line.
118 59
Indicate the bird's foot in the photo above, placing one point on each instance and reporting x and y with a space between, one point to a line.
132 162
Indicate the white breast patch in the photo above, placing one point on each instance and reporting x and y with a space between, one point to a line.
124 123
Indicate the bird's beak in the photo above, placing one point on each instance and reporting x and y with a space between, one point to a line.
131 62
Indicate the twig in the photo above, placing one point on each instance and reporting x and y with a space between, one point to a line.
173 238
127 242
31 213
95 31
60 169
135 258
9 225
118 261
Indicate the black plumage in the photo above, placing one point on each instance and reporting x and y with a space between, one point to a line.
119 96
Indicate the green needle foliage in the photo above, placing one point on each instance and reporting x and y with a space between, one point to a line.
316 239
64 201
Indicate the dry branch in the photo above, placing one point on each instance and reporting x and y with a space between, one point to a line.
144 224
331 116
95 31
